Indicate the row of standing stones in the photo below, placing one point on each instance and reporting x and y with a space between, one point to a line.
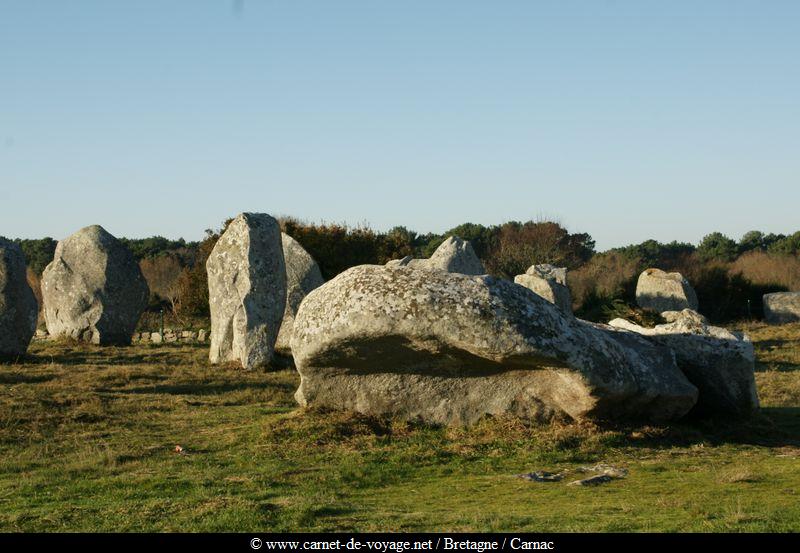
433 339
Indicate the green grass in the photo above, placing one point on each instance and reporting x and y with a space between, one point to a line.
87 438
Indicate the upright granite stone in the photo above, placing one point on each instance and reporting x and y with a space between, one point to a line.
719 362
548 282
302 276
450 348
93 290
454 255
660 291
18 307
782 307
246 291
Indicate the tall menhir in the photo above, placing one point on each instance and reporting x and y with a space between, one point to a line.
246 291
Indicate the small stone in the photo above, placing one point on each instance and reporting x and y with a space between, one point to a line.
592 480
661 291
542 476
156 338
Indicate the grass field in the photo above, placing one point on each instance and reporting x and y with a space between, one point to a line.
88 436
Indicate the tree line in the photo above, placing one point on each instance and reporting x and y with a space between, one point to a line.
729 275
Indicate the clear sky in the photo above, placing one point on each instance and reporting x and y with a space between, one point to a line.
628 120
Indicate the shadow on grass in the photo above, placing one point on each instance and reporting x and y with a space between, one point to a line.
201 388
771 427
109 356
12 378
778 366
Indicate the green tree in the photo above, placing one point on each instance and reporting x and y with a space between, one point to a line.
788 245
717 247
38 253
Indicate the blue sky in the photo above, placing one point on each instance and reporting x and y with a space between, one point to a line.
625 119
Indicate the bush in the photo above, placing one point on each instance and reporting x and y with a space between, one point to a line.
769 269
192 284
605 277
162 274
517 246
38 253
724 296
652 253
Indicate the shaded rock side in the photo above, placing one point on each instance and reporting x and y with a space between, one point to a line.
18 307
719 362
302 276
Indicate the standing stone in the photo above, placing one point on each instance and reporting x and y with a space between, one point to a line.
93 290
247 291
548 282
782 307
661 291
302 276
454 255
18 307
201 335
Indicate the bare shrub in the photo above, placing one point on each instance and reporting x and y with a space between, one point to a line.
769 269
606 275
162 274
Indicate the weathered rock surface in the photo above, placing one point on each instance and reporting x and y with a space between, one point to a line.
548 282
719 362
302 276
661 291
247 291
93 289
18 307
782 307
450 348
454 255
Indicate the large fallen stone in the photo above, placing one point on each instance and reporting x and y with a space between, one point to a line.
302 276
246 291
93 290
454 255
719 362
782 307
18 307
451 348
660 291
548 282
